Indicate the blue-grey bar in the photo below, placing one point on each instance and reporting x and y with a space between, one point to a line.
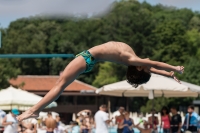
36 55
0 39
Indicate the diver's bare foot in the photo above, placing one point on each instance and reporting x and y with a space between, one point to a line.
180 69
27 114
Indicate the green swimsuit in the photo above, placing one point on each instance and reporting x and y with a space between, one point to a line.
89 59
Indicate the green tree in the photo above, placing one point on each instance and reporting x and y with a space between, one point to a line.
7 72
171 45
192 70
106 75
159 102
156 103
194 23
193 39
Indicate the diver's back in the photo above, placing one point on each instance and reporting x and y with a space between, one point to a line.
112 51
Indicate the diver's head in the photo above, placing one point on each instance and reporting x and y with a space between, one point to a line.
137 75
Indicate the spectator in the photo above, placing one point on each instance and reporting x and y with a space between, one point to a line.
74 127
102 120
127 123
176 121
141 118
165 120
50 123
10 122
2 115
26 123
191 120
58 119
153 121
80 119
119 119
29 128
145 129
84 128
87 119
84 114
92 124
60 128
40 124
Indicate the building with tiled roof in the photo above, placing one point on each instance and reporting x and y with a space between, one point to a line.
42 84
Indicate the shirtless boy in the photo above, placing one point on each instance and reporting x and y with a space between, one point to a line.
138 71
50 123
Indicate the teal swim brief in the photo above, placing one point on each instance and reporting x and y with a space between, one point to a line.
89 59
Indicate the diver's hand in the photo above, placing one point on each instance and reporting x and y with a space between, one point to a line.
28 114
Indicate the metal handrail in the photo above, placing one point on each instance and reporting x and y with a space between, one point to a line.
37 55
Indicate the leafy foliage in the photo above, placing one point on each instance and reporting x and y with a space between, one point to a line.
7 72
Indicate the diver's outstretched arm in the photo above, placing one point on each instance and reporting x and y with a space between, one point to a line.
155 64
164 73
161 72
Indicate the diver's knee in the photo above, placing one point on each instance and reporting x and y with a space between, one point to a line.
60 79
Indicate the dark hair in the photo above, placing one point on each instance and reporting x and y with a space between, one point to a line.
88 113
49 113
73 123
126 112
191 107
175 108
164 108
121 108
136 77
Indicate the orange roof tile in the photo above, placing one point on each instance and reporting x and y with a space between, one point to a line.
45 83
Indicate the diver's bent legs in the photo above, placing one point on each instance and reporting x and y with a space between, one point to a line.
73 69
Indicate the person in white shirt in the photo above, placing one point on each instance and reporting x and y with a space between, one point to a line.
10 122
60 126
102 120
2 115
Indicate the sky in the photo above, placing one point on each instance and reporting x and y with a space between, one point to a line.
10 10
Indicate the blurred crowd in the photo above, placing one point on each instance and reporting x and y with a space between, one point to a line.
46 124
169 121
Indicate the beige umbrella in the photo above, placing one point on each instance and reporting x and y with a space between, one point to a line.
157 86
123 88
20 99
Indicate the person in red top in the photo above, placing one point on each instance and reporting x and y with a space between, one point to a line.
119 119
153 121
165 120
